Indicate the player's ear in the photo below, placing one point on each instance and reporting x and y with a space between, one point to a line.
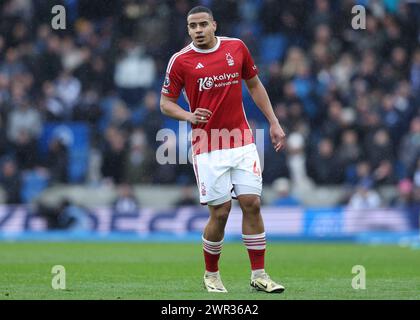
214 25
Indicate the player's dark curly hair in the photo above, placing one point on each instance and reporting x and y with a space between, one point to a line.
199 9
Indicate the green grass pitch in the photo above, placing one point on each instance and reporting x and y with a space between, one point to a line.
174 271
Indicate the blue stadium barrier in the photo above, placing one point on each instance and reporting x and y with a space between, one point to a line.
76 136
404 239
33 183
21 223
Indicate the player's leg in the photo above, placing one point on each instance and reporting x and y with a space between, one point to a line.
212 244
247 182
219 213
253 236
252 222
213 178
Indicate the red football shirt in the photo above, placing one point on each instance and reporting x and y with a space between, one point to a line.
212 79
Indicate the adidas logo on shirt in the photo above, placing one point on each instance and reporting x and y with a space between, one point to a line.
199 66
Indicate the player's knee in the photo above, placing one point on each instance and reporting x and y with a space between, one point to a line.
221 216
251 205
221 212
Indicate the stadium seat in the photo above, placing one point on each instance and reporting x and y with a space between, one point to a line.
106 108
33 183
272 48
76 137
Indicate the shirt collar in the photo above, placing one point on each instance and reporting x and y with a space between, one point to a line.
206 50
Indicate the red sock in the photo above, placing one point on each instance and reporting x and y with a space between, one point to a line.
212 252
255 245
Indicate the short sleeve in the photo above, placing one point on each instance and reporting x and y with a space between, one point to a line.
249 69
173 82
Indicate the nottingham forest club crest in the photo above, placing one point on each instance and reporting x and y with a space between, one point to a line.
229 59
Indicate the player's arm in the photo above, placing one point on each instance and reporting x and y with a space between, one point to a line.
170 108
261 99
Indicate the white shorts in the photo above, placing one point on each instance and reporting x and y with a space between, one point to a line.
223 174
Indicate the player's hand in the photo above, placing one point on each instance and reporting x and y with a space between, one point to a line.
278 137
200 115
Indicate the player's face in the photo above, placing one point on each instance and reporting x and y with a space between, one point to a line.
201 28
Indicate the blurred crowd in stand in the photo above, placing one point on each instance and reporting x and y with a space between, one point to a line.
348 99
